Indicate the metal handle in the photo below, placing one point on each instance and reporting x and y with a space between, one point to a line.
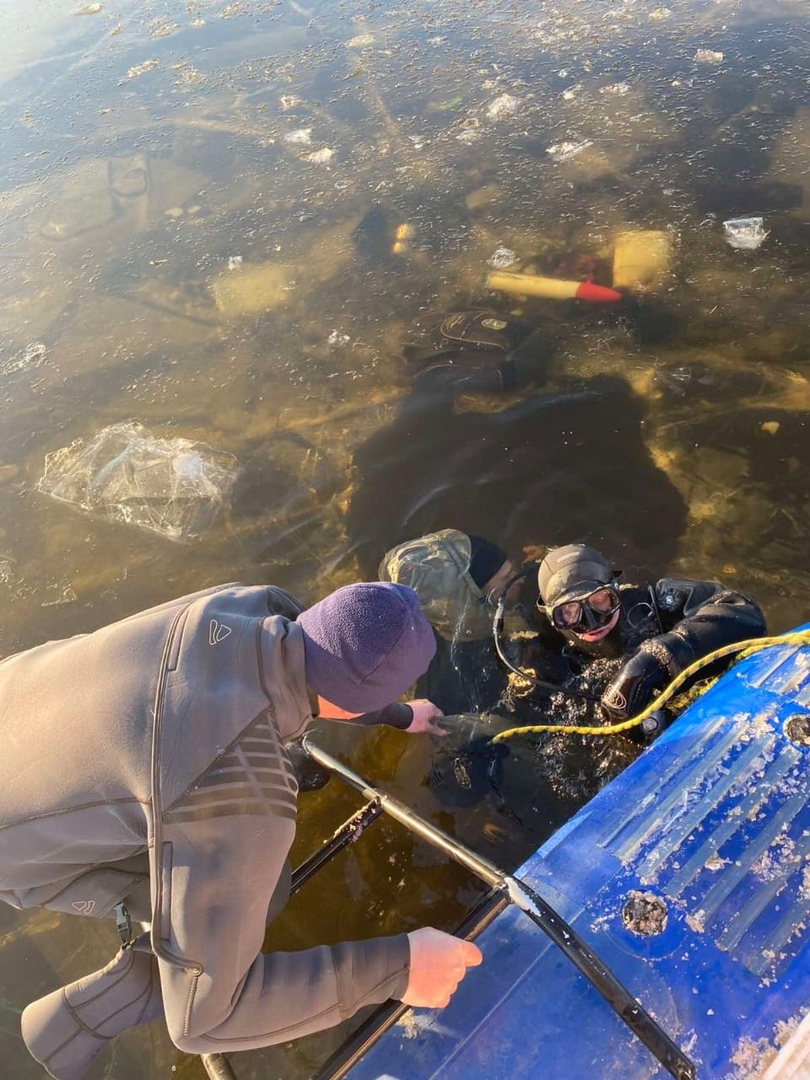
217 1067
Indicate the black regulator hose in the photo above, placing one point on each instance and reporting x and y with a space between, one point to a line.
497 631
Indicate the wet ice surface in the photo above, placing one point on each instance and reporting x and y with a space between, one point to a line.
182 189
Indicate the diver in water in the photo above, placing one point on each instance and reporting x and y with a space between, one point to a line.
608 646
637 637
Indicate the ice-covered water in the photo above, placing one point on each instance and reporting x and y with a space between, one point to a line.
221 219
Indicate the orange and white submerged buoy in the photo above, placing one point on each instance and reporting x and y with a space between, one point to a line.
550 288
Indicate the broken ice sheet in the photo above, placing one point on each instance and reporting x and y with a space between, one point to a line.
173 487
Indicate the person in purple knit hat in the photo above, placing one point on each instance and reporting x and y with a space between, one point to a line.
145 776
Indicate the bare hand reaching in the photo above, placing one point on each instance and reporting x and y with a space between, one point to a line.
425 715
439 962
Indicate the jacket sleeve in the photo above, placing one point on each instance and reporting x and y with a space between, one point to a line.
398 714
710 617
217 877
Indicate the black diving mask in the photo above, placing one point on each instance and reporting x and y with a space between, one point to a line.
591 611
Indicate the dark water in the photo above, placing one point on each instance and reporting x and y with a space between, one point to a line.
200 205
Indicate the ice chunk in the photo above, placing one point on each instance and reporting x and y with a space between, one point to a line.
173 487
501 258
564 151
745 233
502 106
303 136
708 56
320 157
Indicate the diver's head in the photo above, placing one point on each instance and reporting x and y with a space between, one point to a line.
578 593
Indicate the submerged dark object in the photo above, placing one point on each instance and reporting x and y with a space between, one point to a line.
477 350
375 237
468 766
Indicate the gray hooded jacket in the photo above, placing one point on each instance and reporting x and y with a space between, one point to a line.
153 749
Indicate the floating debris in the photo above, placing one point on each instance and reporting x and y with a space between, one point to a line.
642 260
644 913
503 106
564 151
471 131
501 258
141 69
128 176
65 594
32 356
254 290
163 28
745 233
403 234
320 157
707 56
301 137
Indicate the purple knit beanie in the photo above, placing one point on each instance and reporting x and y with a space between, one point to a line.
365 644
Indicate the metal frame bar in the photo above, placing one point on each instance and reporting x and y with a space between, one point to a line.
584 959
384 1017
505 889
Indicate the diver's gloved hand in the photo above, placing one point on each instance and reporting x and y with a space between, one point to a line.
425 715
632 689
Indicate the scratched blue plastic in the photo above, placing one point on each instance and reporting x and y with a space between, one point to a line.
714 819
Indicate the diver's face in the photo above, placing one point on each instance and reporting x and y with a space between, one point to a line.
592 636
589 617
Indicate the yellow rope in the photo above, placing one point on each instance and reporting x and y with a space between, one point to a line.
745 648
